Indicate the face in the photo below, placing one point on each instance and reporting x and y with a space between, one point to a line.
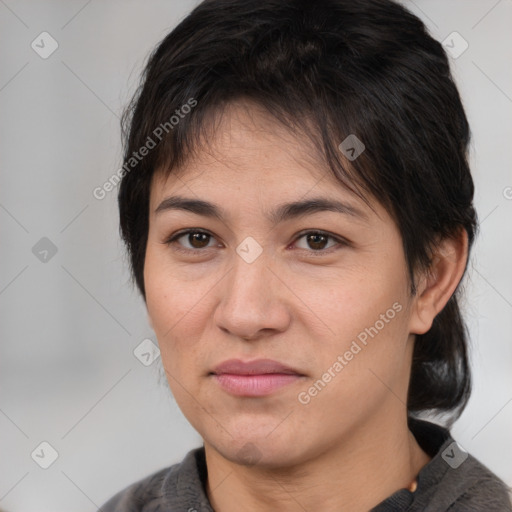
323 292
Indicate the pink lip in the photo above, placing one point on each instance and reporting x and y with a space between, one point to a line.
255 378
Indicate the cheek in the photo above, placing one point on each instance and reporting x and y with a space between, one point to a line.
359 372
362 322
170 294
177 309
344 304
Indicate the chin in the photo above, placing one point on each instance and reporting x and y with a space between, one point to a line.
257 448
259 454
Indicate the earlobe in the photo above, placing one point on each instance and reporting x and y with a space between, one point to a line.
438 284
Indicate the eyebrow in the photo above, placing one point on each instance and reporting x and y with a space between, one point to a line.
283 212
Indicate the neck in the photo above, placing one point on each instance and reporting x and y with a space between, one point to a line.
363 469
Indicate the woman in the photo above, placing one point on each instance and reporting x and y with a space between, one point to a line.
297 205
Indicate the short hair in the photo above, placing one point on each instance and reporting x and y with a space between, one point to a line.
327 69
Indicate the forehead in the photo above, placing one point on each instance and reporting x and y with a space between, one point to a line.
248 152
244 137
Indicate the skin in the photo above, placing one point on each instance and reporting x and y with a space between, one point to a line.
300 303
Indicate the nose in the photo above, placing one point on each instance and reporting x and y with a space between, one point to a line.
252 302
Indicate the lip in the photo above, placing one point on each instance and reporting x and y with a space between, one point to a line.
256 367
254 378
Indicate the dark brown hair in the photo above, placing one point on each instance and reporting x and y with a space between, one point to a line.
329 68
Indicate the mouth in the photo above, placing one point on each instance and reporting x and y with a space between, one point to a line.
254 378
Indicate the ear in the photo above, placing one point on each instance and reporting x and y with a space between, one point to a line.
438 284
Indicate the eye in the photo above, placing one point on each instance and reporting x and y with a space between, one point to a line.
317 241
196 238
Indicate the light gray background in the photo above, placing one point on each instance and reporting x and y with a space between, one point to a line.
69 325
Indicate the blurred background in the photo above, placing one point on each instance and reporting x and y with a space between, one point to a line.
84 409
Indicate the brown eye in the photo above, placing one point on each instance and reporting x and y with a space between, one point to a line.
317 241
198 240
195 240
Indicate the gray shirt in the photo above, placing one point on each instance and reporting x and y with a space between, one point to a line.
452 481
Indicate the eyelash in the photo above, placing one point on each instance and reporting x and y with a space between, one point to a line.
340 241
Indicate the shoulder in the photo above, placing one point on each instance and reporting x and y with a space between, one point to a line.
455 480
177 487
480 489
142 496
